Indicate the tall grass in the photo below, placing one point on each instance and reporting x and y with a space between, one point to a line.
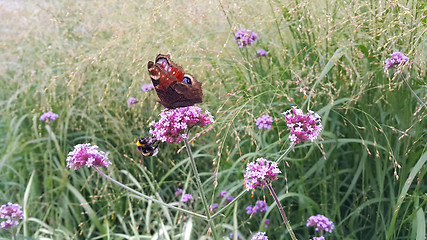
83 60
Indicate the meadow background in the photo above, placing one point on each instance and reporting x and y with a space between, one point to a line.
84 59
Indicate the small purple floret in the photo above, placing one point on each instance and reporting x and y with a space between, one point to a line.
222 193
260 206
249 209
187 197
214 206
48 115
260 236
264 121
321 223
12 213
396 59
178 192
245 37
261 52
131 101
147 87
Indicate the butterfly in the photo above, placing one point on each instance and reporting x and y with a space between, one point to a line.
147 147
174 87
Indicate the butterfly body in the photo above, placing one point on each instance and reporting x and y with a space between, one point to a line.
147 147
174 87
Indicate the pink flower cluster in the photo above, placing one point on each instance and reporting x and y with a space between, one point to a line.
397 59
174 122
87 155
264 121
260 236
12 213
321 223
303 127
260 173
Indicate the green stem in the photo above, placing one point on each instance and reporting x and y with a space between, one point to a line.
285 153
282 212
147 197
412 91
13 233
200 188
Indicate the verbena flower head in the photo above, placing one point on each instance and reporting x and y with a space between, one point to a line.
178 192
321 223
266 222
303 127
260 206
222 193
259 236
187 197
260 173
232 235
12 213
131 101
214 206
396 59
261 52
174 122
87 155
245 37
48 115
147 87
249 209
230 198
318 238
264 121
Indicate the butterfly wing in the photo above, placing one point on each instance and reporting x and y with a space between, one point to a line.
174 87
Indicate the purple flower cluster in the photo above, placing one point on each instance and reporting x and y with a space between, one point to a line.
303 127
222 194
260 206
321 223
86 155
232 235
261 52
267 222
245 37
12 213
147 87
131 101
214 206
187 197
264 121
260 236
260 173
173 123
48 115
397 59
318 238
178 192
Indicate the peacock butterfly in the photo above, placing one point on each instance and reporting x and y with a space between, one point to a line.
174 87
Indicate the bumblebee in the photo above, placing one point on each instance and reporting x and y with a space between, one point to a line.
147 147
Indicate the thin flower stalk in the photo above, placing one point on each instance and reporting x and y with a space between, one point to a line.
282 212
280 159
412 91
200 188
148 197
